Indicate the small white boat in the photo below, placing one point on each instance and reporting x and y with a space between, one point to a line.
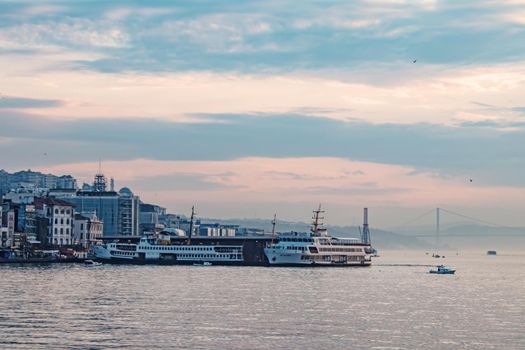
443 270
205 263
92 263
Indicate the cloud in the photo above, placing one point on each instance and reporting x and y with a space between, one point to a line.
68 32
484 151
406 95
180 182
270 36
237 187
12 102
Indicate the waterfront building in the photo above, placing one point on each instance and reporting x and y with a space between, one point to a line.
217 230
11 223
87 231
65 182
150 217
249 231
24 194
59 214
62 192
42 229
26 221
6 240
119 211
129 213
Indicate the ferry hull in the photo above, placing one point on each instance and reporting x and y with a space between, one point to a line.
316 265
137 261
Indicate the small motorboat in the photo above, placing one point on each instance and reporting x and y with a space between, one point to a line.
205 263
92 263
443 270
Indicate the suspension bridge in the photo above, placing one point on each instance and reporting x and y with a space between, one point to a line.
437 213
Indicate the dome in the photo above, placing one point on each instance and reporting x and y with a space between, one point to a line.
125 192
175 231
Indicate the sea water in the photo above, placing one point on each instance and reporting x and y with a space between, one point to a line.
395 304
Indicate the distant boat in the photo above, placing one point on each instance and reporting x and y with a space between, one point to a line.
92 263
205 263
492 252
443 270
436 256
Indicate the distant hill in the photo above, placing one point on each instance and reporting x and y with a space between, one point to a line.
380 239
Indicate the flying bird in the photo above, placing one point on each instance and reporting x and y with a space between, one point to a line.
470 180
414 61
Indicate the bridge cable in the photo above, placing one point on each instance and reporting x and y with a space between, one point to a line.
474 219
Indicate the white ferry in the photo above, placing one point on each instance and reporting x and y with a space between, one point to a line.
163 248
159 249
317 248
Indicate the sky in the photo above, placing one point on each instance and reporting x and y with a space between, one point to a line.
250 108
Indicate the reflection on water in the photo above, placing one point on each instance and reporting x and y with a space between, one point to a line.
395 304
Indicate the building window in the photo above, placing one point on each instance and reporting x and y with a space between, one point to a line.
81 226
56 231
67 221
62 211
67 211
62 221
56 211
56 221
61 231
67 231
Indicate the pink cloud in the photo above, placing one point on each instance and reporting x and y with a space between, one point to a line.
243 186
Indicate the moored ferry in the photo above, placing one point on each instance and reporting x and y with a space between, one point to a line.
317 248
159 249
163 248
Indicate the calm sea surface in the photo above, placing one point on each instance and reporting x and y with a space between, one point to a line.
166 307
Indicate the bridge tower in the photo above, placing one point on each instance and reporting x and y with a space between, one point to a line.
365 235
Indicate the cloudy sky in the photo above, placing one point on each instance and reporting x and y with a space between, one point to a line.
246 108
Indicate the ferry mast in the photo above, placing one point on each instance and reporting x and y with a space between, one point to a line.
274 221
316 218
191 224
